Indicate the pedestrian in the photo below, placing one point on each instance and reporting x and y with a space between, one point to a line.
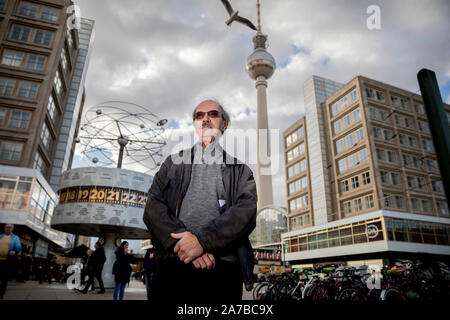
9 248
149 262
200 212
121 270
95 268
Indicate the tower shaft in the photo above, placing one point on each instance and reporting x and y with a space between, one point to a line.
264 183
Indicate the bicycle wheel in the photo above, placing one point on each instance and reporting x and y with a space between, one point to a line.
392 294
351 294
284 290
260 291
319 293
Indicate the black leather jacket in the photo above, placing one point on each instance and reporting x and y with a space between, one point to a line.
229 231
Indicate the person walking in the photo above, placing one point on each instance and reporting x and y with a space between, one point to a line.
121 270
149 261
95 268
9 247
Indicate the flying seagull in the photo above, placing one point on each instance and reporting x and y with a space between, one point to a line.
235 17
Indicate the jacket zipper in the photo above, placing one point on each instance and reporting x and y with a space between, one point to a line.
179 189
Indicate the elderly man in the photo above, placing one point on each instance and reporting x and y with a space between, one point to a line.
9 247
200 211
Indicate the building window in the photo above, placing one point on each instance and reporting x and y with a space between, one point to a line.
304 182
392 157
355 182
303 165
19 119
344 186
404 104
49 14
12 58
46 138
51 107
383 115
356 115
369 202
362 155
442 208
401 138
340 145
376 132
40 164
20 33
436 185
428 145
2 116
423 126
373 113
381 154
398 119
2 5
370 93
421 183
412 141
415 204
406 160
384 176
334 108
419 108
408 122
58 84
388 200
35 62
337 126
28 90
27 9
7 86
344 102
347 207
395 101
10 151
346 120
411 182
288 141
395 177
291 188
357 205
366 178
399 202
342 164
300 132
352 161
353 96
302 148
42 37
426 205
387 134
359 135
380 96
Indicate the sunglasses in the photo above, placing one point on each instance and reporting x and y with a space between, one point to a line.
212 114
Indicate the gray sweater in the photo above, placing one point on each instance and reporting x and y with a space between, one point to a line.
205 194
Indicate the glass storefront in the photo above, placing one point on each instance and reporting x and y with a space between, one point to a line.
355 233
270 224
369 231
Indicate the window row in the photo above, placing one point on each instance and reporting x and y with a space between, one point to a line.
375 94
294 136
27 34
355 182
414 162
23 89
15 118
386 155
36 11
349 140
400 102
417 231
334 237
346 121
296 152
23 60
358 205
352 160
404 121
344 102
300 221
299 203
298 185
296 168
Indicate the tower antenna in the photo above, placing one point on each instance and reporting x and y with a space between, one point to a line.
258 6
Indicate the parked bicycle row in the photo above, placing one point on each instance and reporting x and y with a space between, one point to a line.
404 281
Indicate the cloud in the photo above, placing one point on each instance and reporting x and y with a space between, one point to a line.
168 55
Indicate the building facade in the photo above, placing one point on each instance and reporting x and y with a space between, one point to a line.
42 68
384 193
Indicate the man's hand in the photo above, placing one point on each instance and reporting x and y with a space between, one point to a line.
205 261
11 253
187 248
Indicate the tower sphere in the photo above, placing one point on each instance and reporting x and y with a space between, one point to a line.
260 62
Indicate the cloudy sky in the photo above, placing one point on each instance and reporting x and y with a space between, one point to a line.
168 55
